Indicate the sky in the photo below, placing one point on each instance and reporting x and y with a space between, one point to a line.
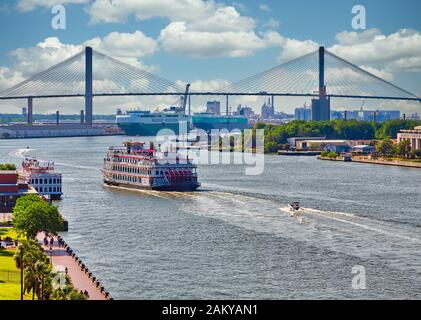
210 43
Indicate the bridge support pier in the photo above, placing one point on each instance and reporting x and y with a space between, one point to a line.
88 86
30 111
227 105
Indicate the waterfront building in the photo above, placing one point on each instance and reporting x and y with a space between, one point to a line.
362 149
320 109
213 107
302 114
11 188
337 146
413 136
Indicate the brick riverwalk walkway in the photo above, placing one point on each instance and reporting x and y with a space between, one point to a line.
61 259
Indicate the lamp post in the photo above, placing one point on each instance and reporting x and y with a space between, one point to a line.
21 273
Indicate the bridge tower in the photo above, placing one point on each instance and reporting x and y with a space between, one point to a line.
88 86
320 108
30 111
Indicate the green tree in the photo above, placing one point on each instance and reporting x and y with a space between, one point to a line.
386 148
68 292
32 215
391 128
37 270
403 149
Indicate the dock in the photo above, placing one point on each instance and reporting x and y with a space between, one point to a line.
22 131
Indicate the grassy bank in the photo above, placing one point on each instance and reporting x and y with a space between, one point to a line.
9 290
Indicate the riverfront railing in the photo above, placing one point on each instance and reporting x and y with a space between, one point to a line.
10 276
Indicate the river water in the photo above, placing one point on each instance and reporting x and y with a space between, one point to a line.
234 239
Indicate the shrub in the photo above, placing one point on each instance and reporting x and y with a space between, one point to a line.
332 155
7 167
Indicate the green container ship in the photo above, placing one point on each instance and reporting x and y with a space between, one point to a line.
209 121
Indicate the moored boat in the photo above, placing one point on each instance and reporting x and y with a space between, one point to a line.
41 176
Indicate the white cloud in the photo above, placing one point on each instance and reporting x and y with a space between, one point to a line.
381 73
290 48
352 38
265 7
178 38
28 5
223 19
45 54
129 47
396 52
208 85
271 24
9 78
135 44
239 6
199 14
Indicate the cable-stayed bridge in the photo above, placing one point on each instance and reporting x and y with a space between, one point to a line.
92 74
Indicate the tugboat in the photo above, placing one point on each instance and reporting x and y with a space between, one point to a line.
135 166
42 177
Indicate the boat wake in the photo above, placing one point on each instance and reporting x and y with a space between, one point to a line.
346 233
20 153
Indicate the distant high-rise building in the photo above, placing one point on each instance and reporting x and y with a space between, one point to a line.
24 112
337 115
244 111
320 109
213 107
386 115
268 110
367 115
302 114
119 112
412 116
